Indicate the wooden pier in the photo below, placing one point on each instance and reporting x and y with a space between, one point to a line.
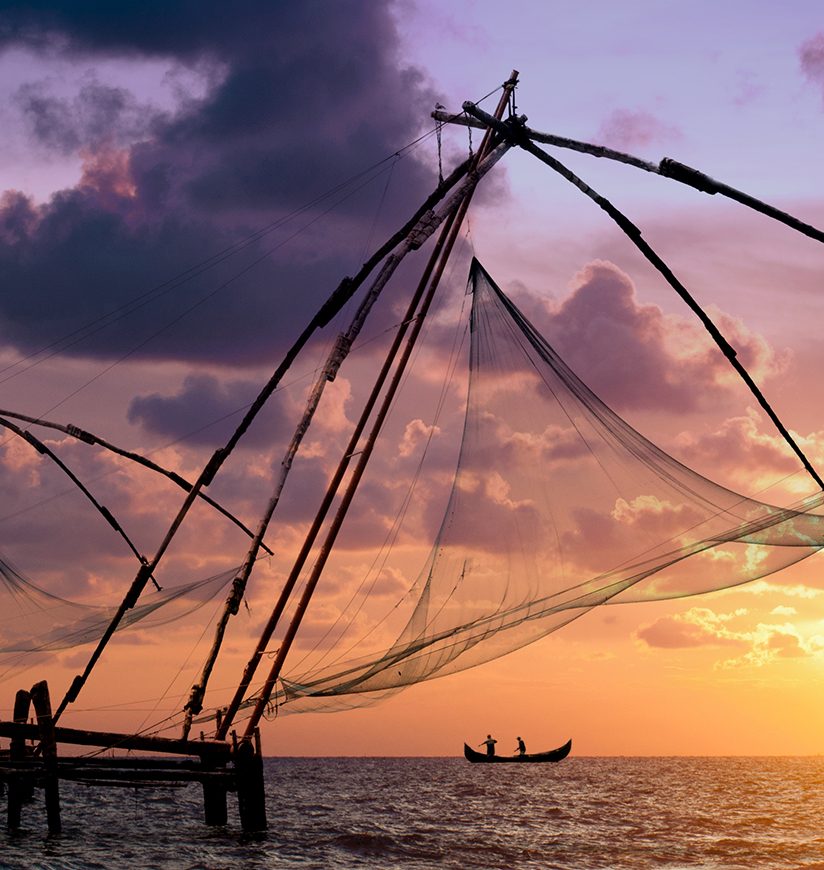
32 762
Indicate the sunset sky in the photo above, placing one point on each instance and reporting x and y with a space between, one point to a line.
183 185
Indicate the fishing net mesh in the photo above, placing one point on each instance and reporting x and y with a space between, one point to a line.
558 506
33 620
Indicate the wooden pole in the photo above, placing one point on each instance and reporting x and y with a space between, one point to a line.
666 167
215 811
19 784
417 233
435 268
251 797
228 717
213 749
45 724
338 298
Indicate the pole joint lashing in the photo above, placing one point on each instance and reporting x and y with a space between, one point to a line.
180 481
670 168
342 346
34 441
424 228
144 562
139 582
195 703
74 689
109 517
212 466
80 434
236 595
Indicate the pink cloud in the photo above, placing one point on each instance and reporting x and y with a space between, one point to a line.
634 356
415 435
672 633
697 627
651 515
759 643
625 128
811 55
603 331
786 645
740 438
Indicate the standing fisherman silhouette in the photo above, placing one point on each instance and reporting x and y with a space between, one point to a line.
489 743
521 750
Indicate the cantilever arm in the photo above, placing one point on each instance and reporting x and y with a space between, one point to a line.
667 167
335 302
91 438
107 515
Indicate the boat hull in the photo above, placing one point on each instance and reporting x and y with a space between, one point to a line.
558 754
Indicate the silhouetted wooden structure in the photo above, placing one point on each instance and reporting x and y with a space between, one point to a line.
32 762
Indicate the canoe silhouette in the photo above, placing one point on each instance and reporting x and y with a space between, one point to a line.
530 758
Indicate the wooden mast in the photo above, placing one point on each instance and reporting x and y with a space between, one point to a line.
246 775
435 268
448 210
417 230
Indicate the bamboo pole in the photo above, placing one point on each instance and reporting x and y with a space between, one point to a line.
667 168
90 438
418 233
435 267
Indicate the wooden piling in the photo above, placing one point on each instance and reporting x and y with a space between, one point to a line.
19 785
45 723
251 797
215 812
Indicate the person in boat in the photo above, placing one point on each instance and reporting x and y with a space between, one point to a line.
521 750
489 743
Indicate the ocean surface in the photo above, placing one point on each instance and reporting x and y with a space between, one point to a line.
446 813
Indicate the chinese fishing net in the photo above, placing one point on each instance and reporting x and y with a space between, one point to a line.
558 506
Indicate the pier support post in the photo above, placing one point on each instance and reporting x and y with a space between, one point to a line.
48 744
251 797
215 812
20 784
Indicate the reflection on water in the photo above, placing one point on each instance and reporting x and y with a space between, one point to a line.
416 813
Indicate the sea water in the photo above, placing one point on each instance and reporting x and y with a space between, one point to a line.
445 813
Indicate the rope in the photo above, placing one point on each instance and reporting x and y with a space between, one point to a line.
438 127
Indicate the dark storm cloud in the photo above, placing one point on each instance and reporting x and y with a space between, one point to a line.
302 96
206 411
98 114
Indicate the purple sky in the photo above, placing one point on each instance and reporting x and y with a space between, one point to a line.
144 143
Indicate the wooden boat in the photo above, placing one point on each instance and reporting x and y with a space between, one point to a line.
558 754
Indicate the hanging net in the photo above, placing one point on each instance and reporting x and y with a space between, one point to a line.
558 505
33 620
